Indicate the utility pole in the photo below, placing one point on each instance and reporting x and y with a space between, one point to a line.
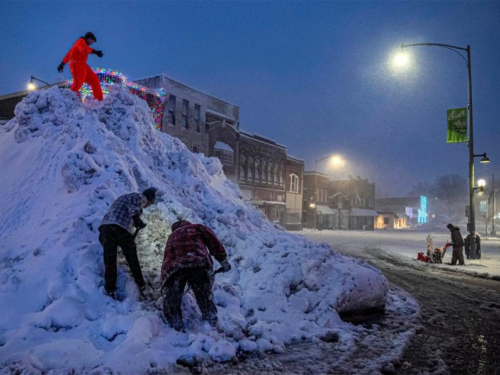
494 214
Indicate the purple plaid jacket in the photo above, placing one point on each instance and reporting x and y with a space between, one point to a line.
187 248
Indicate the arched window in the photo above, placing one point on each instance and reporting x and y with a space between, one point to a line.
294 183
242 167
250 169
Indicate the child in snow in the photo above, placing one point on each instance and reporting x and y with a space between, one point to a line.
81 72
187 261
116 230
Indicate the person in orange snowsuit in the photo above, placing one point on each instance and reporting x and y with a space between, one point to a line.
81 72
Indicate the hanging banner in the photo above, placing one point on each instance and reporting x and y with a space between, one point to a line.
457 125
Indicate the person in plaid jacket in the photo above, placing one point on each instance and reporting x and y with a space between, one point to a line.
116 230
188 260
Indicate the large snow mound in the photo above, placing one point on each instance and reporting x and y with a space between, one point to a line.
62 164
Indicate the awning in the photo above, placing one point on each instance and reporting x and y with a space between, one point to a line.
325 210
270 203
363 212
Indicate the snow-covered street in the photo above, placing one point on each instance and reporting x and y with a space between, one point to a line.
406 244
459 312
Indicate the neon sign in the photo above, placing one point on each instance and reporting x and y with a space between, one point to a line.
422 211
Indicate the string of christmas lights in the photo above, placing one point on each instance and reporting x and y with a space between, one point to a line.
154 98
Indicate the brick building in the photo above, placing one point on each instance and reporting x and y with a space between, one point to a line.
344 204
260 166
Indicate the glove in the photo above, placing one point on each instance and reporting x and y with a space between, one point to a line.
60 68
138 223
225 266
98 53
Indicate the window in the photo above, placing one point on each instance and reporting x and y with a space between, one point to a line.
185 114
264 171
171 109
196 149
294 183
257 170
276 175
270 173
197 112
249 169
242 168
281 177
386 220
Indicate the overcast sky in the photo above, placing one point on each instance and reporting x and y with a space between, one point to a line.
315 76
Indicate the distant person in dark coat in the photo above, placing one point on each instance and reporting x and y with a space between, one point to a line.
478 246
457 241
116 230
188 260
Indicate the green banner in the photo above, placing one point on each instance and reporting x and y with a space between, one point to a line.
457 125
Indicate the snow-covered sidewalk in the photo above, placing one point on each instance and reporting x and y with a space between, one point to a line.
406 244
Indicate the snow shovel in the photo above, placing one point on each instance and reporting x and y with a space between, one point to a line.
219 270
136 232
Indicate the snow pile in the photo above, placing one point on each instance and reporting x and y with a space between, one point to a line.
62 164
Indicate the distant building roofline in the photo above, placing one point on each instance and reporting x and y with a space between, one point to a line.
294 158
26 92
183 84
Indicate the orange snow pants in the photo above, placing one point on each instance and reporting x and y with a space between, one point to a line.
82 73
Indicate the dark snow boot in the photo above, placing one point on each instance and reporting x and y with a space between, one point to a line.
111 294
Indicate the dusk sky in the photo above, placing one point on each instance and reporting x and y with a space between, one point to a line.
314 76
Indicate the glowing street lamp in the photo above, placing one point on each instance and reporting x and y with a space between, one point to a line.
401 59
31 85
459 51
484 159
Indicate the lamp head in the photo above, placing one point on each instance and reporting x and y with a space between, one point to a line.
31 85
484 159
481 183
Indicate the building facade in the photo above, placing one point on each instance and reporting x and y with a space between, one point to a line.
359 197
260 166
401 212
189 113
346 204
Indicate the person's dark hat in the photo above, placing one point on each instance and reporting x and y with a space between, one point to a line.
449 226
179 223
90 35
150 194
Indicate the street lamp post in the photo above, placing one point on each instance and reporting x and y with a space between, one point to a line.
336 159
493 230
32 86
472 214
